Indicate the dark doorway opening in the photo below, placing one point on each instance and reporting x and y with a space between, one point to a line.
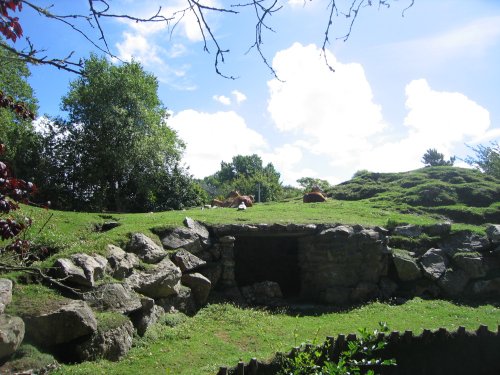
268 258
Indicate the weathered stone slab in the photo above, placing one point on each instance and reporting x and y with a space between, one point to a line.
145 248
111 344
93 266
65 269
471 263
186 261
160 281
122 264
406 266
113 297
182 238
434 263
11 334
199 285
61 324
408 230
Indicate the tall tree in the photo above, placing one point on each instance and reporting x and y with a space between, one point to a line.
433 158
115 150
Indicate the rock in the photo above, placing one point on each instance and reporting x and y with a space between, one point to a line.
438 229
145 248
113 297
364 292
93 266
199 229
263 293
11 334
60 324
199 285
184 302
213 272
146 316
434 263
182 237
486 288
493 233
453 282
65 269
111 344
471 263
5 293
158 282
426 288
186 261
406 266
121 263
408 230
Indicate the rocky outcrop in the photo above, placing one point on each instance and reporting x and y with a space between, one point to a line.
145 248
81 269
187 262
61 323
146 316
184 238
11 334
199 285
434 263
406 266
113 297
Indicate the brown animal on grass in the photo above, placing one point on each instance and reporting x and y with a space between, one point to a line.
315 195
233 200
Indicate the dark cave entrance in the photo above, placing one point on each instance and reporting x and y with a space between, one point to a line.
268 258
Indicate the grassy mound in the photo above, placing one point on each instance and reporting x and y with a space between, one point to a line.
462 195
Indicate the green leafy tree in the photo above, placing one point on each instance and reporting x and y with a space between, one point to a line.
307 183
115 151
246 174
21 142
486 159
432 158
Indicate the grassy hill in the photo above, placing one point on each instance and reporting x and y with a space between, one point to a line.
459 194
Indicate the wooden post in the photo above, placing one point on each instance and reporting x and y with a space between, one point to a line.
253 366
222 371
240 370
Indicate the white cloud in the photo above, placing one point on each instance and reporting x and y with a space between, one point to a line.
213 137
138 47
333 112
239 96
222 99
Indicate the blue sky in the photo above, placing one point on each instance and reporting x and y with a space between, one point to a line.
402 85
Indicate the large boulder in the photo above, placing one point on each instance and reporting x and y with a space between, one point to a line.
406 266
93 266
121 263
199 285
434 263
5 293
113 297
65 269
199 229
184 238
186 261
60 323
145 248
11 334
162 280
111 344
183 302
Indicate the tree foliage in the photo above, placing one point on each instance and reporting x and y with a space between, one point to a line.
307 183
115 151
247 175
433 158
486 159
90 24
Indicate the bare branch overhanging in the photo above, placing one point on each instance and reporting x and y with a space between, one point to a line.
95 33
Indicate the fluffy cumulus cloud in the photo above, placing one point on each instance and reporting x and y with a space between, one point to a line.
222 99
333 119
213 137
239 96
334 112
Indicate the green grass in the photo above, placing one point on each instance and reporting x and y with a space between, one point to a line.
223 334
